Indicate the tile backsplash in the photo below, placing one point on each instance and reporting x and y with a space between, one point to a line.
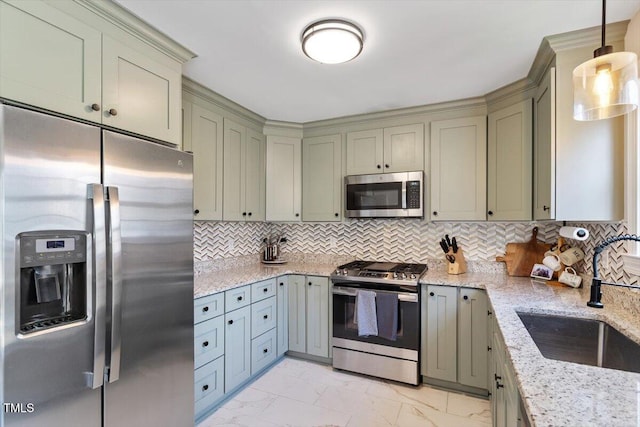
408 240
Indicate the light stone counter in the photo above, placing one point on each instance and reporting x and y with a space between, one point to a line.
555 393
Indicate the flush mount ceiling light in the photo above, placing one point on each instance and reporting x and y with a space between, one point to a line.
607 85
332 41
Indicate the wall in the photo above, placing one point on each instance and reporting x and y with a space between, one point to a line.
399 240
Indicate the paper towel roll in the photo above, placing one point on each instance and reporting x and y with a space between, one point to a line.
576 233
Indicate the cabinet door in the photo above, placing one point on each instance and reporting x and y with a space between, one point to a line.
50 60
237 347
509 163
458 169
318 316
208 341
139 94
234 175
544 148
255 176
322 178
206 145
472 337
208 386
284 178
297 314
282 328
441 332
365 152
404 148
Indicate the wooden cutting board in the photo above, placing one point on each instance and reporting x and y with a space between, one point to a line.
520 257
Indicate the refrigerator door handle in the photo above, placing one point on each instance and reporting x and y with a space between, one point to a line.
115 254
95 193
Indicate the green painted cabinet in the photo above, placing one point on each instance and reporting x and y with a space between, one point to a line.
544 148
309 315
322 178
297 300
284 179
282 328
472 337
237 348
440 359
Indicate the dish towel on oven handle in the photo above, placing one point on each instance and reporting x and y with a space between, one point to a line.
387 312
366 313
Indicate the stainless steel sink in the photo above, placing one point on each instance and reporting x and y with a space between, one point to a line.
585 341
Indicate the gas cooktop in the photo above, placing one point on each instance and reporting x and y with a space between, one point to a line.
381 272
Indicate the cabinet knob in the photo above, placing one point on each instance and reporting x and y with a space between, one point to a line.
489 312
205 309
490 213
466 297
281 284
266 350
496 377
95 107
205 344
337 214
240 298
265 290
310 284
230 322
244 214
266 316
546 208
112 112
379 167
435 213
196 212
205 387
489 349
297 214
386 166
498 385
249 213
431 294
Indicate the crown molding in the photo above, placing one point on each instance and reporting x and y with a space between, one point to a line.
588 37
518 87
461 104
132 24
279 128
194 88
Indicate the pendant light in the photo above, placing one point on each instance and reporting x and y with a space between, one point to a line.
332 41
607 85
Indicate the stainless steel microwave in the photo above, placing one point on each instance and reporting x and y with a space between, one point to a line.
385 195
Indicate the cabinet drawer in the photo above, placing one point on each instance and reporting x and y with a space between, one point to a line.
263 316
237 298
263 289
208 341
208 307
263 351
209 385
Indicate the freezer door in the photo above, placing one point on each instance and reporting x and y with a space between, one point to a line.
151 353
46 165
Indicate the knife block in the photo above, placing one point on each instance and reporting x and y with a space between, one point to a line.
459 266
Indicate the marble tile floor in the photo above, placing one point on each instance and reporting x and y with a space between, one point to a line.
301 393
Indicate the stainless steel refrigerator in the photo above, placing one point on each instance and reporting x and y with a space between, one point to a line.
97 276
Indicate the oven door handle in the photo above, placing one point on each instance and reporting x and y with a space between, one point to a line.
402 296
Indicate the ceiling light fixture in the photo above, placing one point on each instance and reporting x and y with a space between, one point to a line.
607 85
332 41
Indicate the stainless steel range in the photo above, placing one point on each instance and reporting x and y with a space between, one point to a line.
376 319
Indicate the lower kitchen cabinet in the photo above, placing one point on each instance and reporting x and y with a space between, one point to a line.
237 348
209 385
282 307
263 351
309 315
454 337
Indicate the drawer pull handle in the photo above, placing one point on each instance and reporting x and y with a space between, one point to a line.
239 298
265 350
205 344
498 385
205 387
266 316
230 322
205 309
265 290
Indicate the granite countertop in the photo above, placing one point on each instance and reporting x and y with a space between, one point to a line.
554 393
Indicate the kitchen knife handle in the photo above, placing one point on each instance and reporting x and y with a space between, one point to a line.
95 193
115 255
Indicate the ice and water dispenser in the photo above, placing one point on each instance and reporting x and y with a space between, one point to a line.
53 279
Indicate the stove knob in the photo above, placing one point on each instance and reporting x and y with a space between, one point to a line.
344 271
395 274
413 276
402 276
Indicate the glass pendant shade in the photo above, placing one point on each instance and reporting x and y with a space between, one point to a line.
332 41
605 86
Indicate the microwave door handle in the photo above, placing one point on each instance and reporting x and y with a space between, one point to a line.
404 194
115 254
96 253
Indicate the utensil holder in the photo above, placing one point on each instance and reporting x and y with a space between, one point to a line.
460 264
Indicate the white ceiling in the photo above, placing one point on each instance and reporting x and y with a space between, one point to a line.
416 52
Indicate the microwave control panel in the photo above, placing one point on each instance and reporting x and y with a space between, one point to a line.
413 194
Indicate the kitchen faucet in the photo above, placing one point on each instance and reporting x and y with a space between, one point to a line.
596 282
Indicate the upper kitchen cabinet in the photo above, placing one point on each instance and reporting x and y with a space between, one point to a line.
393 149
509 170
322 178
65 57
458 169
244 173
203 136
284 178
579 166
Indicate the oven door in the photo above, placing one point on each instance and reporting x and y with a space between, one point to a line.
344 312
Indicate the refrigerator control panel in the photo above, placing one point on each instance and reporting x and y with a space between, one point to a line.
43 249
